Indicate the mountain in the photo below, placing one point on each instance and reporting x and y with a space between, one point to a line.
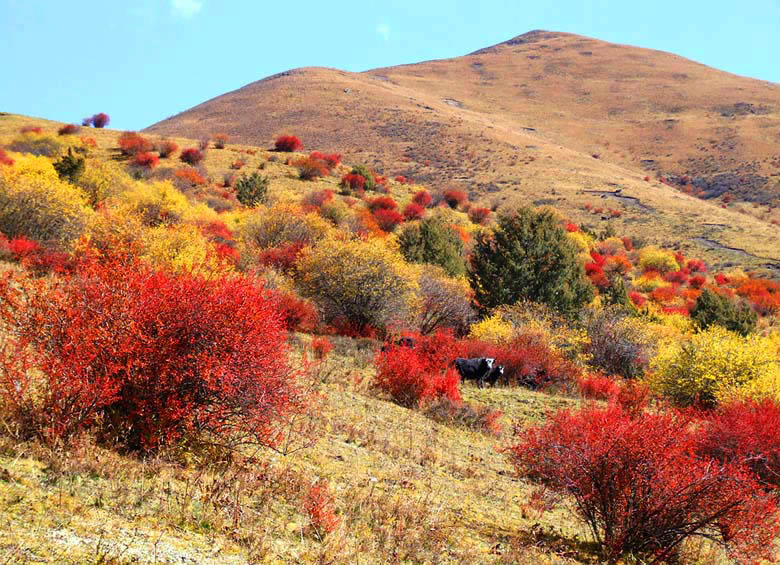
545 118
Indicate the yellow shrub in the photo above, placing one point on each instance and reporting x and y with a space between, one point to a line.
180 248
713 365
102 180
359 282
657 259
493 329
283 223
161 203
582 240
645 283
36 204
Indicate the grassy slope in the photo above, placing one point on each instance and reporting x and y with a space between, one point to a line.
521 121
407 489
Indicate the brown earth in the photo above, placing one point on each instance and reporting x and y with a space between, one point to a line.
541 119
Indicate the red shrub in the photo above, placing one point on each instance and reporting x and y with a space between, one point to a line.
5 159
237 164
529 362
190 176
387 220
628 244
330 159
678 277
640 489
353 182
615 213
319 508
647 179
220 140
588 206
479 215
191 156
321 346
455 198
89 141
167 148
664 294
148 160
413 211
148 357
382 203
318 198
572 228
697 281
283 257
22 247
598 258
637 298
287 143
297 314
400 179
68 129
697 266
413 376
747 432
422 198
721 279
131 143
31 129
310 169
100 120
598 387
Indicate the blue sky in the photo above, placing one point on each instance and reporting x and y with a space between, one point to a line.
144 60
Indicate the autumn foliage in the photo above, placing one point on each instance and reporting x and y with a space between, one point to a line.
167 148
413 376
287 143
68 129
191 156
146 159
143 357
5 159
640 489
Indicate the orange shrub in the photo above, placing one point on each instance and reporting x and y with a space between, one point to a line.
131 143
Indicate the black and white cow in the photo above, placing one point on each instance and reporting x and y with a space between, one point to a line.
493 375
476 369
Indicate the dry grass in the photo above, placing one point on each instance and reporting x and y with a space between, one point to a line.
523 120
406 489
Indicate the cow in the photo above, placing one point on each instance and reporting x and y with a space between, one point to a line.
492 377
405 341
475 369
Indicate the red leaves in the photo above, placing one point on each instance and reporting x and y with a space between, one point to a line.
353 181
455 198
387 220
746 432
191 156
166 149
422 198
150 357
287 143
479 215
5 159
639 487
310 168
131 143
68 129
99 120
146 160
413 211
330 159
382 203
321 346
318 506
413 376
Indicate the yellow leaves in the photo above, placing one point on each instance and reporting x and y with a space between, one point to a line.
161 202
493 329
363 281
180 248
656 259
715 365
283 223
35 203
582 240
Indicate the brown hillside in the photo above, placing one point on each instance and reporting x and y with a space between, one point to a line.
544 118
